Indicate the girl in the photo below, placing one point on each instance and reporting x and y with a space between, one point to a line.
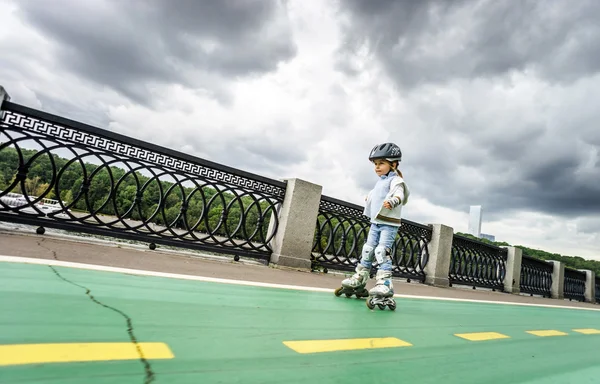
384 208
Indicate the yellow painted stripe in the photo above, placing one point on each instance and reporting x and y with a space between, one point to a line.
481 336
315 346
549 332
18 354
588 331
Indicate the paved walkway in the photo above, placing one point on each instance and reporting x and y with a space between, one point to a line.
121 255
77 312
71 325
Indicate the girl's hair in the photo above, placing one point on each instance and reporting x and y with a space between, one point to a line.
396 170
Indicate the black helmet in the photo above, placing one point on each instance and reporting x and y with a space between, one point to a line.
388 151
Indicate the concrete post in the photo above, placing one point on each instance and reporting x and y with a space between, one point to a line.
590 285
512 280
440 252
3 97
292 245
558 280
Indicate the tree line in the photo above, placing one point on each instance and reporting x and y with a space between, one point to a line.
114 191
127 200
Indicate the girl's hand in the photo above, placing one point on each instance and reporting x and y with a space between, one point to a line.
387 205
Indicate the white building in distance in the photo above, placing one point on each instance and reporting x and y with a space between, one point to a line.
475 220
488 237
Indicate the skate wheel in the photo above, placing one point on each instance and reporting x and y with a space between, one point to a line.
348 295
392 306
370 303
381 306
338 291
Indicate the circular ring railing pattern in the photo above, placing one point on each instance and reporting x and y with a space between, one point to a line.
574 287
67 175
477 264
536 276
342 229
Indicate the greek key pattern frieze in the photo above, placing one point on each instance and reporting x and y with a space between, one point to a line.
88 140
61 177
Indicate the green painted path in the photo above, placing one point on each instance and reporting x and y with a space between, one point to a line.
222 333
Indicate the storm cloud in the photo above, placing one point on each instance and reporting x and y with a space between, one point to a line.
503 92
492 102
437 41
130 45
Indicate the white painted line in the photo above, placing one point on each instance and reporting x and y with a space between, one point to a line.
68 264
124 244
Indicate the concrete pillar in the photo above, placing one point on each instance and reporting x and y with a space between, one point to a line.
3 97
558 280
512 280
590 285
440 252
292 245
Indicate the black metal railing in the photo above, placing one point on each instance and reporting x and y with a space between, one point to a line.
342 229
536 276
62 174
477 264
574 287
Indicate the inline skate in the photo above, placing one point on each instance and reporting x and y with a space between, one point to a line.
382 295
355 285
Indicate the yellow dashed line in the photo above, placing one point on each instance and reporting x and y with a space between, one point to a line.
315 346
588 331
482 336
549 332
19 354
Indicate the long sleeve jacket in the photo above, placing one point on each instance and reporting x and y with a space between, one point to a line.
391 188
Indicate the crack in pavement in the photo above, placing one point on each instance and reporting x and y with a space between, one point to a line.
51 250
147 368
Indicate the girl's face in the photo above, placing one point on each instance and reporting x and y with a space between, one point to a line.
382 167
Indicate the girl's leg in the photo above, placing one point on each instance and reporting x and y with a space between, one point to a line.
384 247
363 268
368 249
383 286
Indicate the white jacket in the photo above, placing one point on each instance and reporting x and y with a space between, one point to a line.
390 188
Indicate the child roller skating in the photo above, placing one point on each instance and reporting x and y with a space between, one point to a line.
384 207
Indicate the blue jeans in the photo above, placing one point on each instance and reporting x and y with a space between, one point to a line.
381 237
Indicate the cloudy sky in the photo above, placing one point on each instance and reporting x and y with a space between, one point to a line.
492 102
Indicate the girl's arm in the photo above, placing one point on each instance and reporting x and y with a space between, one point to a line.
398 193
